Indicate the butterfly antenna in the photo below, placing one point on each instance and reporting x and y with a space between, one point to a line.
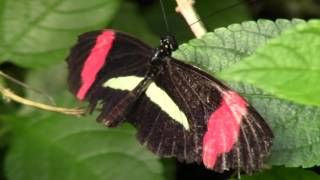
6 76
164 16
223 9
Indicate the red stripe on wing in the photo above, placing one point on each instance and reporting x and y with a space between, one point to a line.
223 128
95 61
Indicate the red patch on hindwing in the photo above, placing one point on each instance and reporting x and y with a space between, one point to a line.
95 62
223 127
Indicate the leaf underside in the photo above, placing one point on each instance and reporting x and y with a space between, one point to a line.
287 66
295 126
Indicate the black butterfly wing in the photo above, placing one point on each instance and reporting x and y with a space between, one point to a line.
100 56
223 132
184 113
161 133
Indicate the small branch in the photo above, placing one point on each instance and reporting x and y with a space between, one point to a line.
185 8
8 94
25 85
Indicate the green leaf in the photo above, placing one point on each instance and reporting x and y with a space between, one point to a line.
57 145
288 66
51 146
5 132
225 46
295 126
282 173
42 80
38 33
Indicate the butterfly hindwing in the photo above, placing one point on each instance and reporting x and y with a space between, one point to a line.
162 134
225 132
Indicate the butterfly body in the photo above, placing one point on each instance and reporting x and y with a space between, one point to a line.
178 110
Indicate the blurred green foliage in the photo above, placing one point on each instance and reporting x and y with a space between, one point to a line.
35 37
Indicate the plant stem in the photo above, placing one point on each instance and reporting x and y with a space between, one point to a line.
8 94
185 8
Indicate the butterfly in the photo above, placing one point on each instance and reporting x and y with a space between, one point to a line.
178 110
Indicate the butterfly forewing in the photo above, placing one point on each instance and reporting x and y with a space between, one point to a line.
100 56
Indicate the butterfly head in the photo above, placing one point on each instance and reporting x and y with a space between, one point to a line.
168 44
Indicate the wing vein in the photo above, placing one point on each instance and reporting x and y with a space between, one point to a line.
187 106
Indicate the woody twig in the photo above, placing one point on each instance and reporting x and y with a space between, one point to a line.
11 96
185 8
